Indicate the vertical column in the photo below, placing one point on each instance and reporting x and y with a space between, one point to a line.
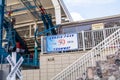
93 40
35 48
42 45
104 33
67 13
57 11
2 2
30 30
83 38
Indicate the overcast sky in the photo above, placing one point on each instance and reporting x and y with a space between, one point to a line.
87 9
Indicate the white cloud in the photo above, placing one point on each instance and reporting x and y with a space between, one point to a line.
80 2
76 16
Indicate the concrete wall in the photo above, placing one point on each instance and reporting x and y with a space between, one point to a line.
5 70
52 64
1 74
33 74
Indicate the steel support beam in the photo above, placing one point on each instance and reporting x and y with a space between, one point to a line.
21 11
15 3
66 10
57 11
2 3
28 23
35 47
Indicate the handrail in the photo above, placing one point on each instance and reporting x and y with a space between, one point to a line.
108 46
88 39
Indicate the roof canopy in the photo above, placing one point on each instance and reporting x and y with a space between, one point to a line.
22 14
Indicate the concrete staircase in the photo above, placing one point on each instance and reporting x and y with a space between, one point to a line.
77 70
30 42
105 69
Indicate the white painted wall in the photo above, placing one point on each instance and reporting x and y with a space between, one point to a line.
52 64
33 74
5 70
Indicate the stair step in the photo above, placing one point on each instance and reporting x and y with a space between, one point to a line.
34 49
30 46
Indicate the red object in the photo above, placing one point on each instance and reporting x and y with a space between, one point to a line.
61 41
42 10
18 45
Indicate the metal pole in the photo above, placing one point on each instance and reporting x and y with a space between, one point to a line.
30 31
35 48
83 38
2 3
42 45
1 62
14 55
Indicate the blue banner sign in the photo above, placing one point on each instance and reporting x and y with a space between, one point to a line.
63 42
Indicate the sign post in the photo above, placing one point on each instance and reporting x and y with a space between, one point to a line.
14 61
14 67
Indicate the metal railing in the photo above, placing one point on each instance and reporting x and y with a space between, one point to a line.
77 69
86 39
30 61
